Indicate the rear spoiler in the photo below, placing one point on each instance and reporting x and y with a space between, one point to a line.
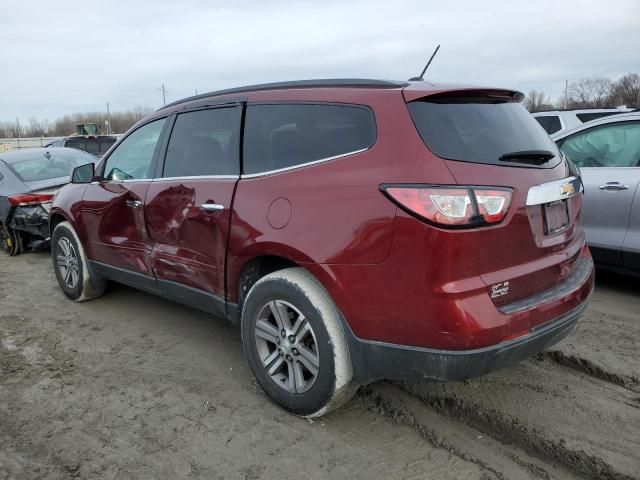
417 92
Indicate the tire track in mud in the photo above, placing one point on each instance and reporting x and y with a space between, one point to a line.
584 365
499 461
535 437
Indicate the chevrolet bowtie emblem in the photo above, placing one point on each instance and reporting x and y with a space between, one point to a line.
567 189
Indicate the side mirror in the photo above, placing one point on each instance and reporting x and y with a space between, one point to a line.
83 173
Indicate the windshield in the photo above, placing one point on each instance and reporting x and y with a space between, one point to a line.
48 165
479 129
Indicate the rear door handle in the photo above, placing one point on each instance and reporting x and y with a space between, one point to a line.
133 203
613 186
212 207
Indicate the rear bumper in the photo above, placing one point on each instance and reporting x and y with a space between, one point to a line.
376 360
373 360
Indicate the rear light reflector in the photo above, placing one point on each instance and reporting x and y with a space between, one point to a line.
23 199
452 206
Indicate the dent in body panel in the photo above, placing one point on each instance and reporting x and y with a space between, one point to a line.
189 243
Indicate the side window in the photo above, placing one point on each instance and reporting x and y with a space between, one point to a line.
550 123
587 117
204 142
285 135
613 145
132 159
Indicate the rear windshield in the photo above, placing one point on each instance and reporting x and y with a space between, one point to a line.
97 146
48 165
478 129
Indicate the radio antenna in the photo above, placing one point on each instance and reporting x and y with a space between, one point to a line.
421 77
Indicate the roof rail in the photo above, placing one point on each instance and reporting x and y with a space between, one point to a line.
316 83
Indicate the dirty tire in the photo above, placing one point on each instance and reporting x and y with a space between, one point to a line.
332 385
88 285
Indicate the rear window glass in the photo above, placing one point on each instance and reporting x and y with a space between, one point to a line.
550 123
286 135
105 144
204 142
477 129
48 165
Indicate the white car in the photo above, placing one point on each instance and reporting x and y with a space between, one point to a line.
557 121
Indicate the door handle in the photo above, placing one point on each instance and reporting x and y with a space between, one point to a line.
133 203
613 186
212 207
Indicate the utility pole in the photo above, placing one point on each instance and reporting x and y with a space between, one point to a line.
164 99
566 88
196 91
108 120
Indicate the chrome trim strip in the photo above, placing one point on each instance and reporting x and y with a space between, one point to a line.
554 191
302 165
196 177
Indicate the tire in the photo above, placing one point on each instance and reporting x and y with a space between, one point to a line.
76 279
10 241
306 371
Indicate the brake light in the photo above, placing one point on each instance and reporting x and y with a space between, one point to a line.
23 199
461 207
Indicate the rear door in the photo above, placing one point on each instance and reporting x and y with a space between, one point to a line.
112 208
188 208
608 157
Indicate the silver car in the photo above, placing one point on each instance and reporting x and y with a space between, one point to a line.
607 151
559 121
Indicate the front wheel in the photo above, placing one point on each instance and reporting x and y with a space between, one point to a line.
295 344
71 267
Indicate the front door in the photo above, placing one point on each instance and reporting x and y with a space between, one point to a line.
113 208
188 209
608 157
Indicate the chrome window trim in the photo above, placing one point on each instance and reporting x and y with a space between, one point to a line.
554 191
196 177
302 165
132 180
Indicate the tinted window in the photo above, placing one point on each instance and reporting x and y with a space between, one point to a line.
280 136
204 143
587 117
614 145
77 143
477 129
49 165
132 159
550 123
106 143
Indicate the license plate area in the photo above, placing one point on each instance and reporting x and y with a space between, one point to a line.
556 217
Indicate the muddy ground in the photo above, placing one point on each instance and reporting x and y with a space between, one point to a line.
132 386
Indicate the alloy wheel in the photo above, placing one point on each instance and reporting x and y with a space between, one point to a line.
287 347
67 262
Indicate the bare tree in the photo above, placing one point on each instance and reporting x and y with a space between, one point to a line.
590 93
626 91
537 101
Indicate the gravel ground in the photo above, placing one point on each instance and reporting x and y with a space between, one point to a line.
132 386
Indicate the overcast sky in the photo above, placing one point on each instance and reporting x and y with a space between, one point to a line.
62 57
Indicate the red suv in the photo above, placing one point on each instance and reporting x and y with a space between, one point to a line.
354 229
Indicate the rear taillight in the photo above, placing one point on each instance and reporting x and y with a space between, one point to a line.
461 207
24 199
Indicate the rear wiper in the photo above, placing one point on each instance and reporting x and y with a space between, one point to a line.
537 157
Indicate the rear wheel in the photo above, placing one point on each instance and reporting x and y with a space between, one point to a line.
75 278
295 345
10 240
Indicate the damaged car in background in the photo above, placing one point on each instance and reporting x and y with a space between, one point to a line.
28 180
